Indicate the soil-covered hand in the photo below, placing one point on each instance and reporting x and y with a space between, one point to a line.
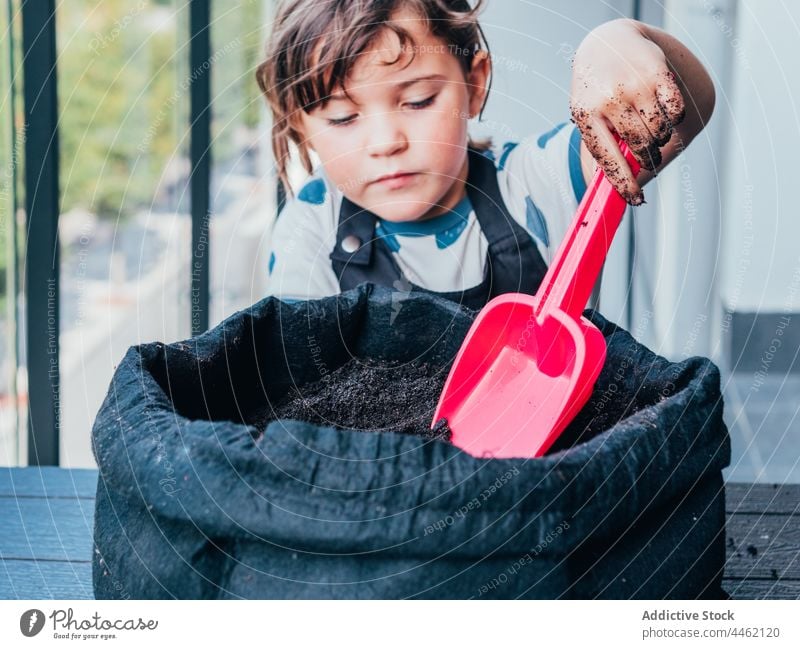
622 81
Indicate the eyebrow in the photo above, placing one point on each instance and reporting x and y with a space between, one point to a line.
401 85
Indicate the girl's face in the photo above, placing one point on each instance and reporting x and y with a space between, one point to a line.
402 120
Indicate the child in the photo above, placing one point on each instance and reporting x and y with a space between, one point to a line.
382 91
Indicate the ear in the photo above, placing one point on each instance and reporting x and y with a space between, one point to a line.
478 81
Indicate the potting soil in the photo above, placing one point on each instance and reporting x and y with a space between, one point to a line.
366 395
374 396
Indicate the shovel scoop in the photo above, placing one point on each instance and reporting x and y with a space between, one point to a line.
529 363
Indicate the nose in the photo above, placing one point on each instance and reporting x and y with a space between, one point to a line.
385 135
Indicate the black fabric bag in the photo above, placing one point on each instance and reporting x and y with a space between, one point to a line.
193 503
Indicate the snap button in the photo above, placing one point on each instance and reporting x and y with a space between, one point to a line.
351 243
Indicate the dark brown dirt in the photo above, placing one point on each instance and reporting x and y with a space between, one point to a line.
377 396
389 396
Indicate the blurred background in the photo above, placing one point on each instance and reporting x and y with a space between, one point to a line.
145 209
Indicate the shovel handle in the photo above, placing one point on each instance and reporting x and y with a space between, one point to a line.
574 270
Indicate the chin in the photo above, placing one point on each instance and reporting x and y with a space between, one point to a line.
402 212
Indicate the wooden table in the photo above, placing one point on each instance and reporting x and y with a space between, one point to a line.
46 536
763 541
46 518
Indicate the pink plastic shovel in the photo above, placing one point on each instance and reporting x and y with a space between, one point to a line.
529 363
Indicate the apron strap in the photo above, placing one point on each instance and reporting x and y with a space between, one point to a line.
358 256
515 263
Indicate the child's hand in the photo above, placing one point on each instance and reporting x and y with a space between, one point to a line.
623 81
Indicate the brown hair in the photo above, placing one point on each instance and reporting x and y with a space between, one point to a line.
342 30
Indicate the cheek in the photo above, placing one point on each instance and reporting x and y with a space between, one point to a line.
446 127
340 160
448 124
444 139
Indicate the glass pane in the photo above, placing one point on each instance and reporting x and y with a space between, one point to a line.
124 227
12 143
242 183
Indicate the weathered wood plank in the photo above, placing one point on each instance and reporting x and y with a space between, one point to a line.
763 547
761 589
44 528
762 498
48 481
22 579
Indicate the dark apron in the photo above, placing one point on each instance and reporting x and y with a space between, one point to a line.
513 264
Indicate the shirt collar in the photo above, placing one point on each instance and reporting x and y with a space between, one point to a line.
436 225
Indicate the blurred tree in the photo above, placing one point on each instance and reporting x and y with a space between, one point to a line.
124 95
116 94
237 43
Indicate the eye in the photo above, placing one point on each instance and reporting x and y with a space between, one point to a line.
424 103
344 121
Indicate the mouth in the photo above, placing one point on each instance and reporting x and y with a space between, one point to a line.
396 180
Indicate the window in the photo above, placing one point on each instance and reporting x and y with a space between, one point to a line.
242 183
13 393
124 225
